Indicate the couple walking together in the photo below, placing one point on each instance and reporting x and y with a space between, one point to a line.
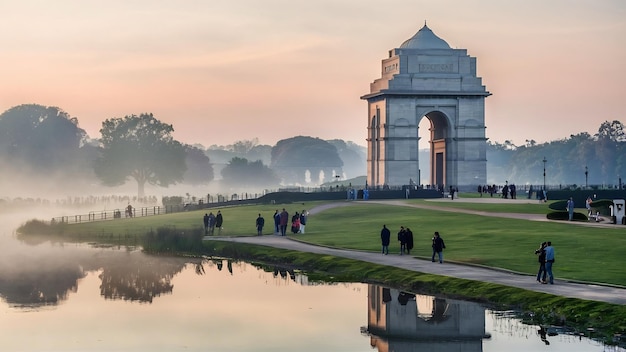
546 259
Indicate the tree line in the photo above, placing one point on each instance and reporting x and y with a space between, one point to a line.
42 143
46 146
579 160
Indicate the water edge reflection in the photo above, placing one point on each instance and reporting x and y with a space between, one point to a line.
108 298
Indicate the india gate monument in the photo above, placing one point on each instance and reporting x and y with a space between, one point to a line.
426 78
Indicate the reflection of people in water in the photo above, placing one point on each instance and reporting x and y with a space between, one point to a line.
440 307
542 335
405 297
386 294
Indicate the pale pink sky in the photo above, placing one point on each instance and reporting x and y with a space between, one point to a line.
222 71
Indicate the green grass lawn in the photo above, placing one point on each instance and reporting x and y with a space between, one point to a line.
582 253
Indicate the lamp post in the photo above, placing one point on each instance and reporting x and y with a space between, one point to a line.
586 177
544 172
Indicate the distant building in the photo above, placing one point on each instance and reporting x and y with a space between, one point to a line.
424 77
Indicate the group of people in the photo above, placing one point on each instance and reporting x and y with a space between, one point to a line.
281 221
298 222
405 238
212 221
508 190
545 255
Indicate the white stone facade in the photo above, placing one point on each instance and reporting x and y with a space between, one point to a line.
427 78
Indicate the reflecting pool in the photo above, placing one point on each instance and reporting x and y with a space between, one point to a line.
80 298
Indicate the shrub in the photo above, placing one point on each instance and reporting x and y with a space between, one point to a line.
563 215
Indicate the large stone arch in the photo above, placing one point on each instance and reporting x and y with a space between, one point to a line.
425 78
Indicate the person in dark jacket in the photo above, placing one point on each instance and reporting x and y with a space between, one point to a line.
438 247
541 274
260 222
295 223
219 220
385 238
206 224
408 239
276 222
402 239
284 219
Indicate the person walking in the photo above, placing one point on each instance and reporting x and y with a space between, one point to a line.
303 219
260 222
295 223
570 208
402 240
438 247
385 238
541 274
549 261
408 239
276 222
284 219
205 219
588 206
211 223
219 221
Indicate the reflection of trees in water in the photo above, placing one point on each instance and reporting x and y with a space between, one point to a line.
46 286
48 274
141 279
45 275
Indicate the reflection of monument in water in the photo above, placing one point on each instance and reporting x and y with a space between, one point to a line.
402 322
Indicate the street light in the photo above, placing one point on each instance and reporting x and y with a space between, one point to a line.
544 172
586 177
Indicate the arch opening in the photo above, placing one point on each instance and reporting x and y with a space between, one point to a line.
432 134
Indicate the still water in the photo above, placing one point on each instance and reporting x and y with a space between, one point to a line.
80 298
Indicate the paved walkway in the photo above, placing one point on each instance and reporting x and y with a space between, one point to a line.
561 287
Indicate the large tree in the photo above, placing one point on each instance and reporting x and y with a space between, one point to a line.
139 147
40 138
293 158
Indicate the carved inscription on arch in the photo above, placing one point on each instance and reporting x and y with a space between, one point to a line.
436 68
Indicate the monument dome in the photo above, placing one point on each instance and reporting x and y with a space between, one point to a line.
425 39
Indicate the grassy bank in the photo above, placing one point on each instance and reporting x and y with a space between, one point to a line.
593 254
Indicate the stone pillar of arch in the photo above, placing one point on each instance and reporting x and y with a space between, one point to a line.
425 78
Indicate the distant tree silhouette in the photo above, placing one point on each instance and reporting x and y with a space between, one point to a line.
139 147
603 155
199 169
40 138
241 173
293 157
